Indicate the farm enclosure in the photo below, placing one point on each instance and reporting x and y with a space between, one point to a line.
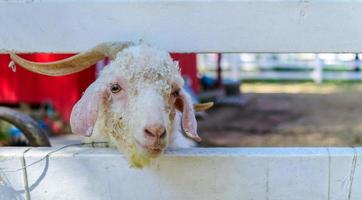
257 173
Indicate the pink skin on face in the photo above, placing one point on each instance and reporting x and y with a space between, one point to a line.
151 135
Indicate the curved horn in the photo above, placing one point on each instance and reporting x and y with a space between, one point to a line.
75 63
203 106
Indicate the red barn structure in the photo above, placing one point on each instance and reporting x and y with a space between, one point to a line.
27 87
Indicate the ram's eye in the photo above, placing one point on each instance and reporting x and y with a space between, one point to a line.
115 88
176 93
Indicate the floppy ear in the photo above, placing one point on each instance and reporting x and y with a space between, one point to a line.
189 125
85 111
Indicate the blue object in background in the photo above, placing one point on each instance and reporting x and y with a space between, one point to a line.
15 132
207 81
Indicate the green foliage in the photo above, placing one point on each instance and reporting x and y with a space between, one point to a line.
4 129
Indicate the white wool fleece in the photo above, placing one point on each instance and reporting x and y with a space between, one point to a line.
147 75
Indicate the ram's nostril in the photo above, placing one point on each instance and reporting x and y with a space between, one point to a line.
149 133
155 131
163 134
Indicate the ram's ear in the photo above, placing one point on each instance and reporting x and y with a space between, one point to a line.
85 111
189 125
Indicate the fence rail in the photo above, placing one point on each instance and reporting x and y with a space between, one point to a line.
200 173
183 25
292 76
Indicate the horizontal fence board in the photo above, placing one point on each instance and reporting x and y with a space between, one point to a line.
196 173
183 25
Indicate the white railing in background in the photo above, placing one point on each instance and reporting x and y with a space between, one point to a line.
183 26
316 67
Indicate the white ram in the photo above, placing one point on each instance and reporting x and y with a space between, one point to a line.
137 104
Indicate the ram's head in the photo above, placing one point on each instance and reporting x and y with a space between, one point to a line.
134 100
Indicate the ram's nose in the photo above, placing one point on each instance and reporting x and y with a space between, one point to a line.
155 131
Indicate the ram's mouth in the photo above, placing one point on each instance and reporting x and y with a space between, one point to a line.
152 151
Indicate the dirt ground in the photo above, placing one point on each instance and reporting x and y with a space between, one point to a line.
300 114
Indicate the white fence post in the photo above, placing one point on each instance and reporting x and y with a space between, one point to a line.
318 70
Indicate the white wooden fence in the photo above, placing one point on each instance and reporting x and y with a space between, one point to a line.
183 26
211 173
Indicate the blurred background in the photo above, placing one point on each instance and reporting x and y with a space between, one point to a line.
260 99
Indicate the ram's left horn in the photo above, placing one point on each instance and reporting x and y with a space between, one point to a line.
75 63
